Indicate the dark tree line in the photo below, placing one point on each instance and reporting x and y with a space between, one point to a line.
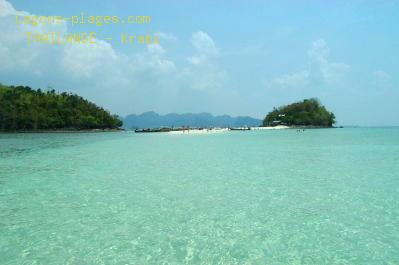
306 113
23 108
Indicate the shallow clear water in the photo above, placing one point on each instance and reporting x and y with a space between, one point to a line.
327 196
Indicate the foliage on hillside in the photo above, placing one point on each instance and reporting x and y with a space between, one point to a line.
309 112
22 108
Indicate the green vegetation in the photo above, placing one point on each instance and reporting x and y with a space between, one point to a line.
306 113
22 108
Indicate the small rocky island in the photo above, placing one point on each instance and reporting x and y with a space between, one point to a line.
25 109
309 113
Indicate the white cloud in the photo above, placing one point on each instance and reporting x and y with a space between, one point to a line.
299 79
205 78
15 52
321 69
195 60
155 49
82 61
203 43
7 9
153 60
157 64
205 47
76 61
319 50
381 76
166 36
203 72
115 80
320 72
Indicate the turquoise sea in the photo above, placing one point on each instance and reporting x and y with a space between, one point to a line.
322 196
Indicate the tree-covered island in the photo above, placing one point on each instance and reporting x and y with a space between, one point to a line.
309 112
25 109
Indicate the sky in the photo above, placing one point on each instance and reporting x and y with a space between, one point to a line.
223 57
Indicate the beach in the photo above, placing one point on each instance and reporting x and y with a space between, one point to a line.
200 131
220 130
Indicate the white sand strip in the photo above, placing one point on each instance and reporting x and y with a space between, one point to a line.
278 127
196 131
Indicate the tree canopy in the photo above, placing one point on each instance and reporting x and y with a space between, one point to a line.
23 108
309 112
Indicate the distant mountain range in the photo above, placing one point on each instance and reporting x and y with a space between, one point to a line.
154 120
